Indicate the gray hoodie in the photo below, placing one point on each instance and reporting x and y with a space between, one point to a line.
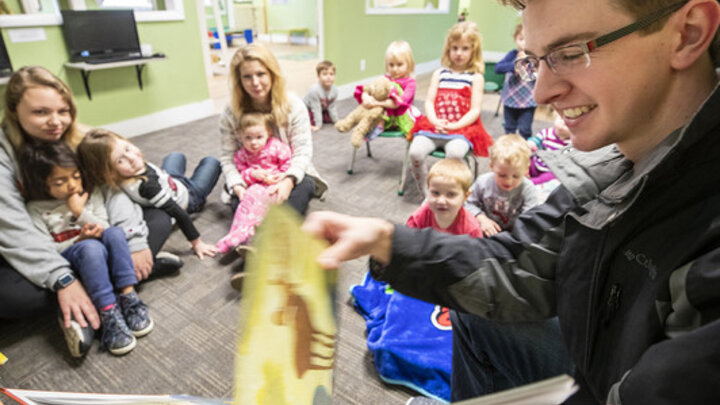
33 253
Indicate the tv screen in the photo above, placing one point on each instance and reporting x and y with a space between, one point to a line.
5 65
94 33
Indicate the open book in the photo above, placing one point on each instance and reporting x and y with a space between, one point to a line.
552 391
33 397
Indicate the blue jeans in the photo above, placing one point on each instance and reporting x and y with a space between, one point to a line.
518 119
201 183
490 357
102 265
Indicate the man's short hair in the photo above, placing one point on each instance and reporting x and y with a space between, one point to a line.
324 65
638 9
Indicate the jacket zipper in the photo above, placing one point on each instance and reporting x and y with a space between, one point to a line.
593 286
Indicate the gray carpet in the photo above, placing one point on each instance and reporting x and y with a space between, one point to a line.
191 348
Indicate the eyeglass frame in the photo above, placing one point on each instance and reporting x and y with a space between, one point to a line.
530 64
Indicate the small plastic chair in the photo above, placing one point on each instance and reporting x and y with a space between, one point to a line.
493 83
384 134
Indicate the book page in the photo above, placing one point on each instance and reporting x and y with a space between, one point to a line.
286 334
552 391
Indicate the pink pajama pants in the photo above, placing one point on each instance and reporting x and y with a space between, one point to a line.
248 215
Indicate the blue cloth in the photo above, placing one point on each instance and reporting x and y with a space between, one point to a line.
201 183
410 340
103 265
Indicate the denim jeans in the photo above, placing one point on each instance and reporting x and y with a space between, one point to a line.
518 119
102 265
201 183
490 357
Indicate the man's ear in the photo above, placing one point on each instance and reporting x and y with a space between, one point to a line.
696 25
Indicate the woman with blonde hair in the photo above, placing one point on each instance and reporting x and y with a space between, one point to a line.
258 86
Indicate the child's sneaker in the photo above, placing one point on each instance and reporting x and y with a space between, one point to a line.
116 336
136 314
78 339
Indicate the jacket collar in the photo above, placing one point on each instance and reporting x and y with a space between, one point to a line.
606 184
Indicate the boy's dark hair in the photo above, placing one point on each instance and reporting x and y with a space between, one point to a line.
324 65
38 160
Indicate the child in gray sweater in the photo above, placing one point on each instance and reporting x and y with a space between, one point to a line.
320 99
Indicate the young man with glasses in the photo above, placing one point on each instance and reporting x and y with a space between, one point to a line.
627 252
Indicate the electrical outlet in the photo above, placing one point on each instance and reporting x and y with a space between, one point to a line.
362 64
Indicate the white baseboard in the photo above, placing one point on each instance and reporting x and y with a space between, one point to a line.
347 90
163 119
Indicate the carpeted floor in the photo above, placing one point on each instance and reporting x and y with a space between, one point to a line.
191 349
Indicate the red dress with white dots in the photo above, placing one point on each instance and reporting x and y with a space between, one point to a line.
452 101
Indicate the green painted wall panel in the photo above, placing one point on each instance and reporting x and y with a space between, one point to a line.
294 14
352 35
495 22
176 81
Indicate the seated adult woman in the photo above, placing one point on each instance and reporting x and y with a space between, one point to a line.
40 108
258 86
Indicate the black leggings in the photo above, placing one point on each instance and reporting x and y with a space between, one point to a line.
19 298
299 198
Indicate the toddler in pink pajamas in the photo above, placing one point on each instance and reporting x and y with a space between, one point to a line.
262 161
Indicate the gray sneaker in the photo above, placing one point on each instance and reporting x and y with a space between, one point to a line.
116 336
136 314
78 339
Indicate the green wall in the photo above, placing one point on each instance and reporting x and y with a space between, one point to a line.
294 14
495 22
351 35
176 81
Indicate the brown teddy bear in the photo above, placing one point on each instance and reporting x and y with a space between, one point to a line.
365 119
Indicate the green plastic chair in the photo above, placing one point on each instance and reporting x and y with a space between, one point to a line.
493 83
385 134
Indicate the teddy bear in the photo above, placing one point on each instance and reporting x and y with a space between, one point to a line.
365 119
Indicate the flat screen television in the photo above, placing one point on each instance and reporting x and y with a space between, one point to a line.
5 65
99 34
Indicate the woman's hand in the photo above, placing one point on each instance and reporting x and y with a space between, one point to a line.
76 203
75 303
143 262
239 191
350 237
280 191
202 249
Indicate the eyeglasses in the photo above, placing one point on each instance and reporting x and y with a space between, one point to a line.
569 58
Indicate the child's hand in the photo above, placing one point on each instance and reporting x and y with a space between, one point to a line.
273 178
441 126
260 174
90 231
533 146
202 249
239 191
488 226
368 101
76 202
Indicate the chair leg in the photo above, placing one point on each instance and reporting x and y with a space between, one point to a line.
367 146
403 174
352 161
497 109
